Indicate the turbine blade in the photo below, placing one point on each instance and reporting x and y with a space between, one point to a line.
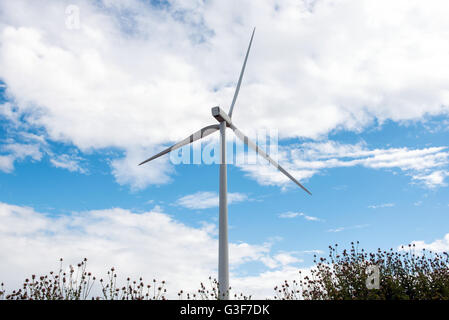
237 89
260 151
196 136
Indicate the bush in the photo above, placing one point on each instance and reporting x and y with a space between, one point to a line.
77 285
340 276
343 276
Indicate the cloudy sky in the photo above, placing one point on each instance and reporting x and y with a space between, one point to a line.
358 92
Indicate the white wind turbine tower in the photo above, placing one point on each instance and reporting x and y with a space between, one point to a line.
225 121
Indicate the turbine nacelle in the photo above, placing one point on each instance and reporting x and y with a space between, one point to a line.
221 116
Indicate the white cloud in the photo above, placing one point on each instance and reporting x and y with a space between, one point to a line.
290 215
35 148
127 172
433 179
286 258
206 199
340 229
305 160
310 218
21 151
68 162
383 205
7 163
330 66
439 245
313 251
262 285
18 151
7 111
149 244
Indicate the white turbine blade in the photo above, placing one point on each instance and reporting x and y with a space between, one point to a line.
196 136
236 93
260 151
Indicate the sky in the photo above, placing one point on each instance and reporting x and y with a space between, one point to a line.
356 91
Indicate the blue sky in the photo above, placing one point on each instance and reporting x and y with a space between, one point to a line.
365 131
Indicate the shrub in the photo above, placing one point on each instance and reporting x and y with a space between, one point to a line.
76 284
402 275
210 293
341 276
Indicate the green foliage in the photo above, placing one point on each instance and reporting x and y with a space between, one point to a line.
340 276
76 284
404 275
210 292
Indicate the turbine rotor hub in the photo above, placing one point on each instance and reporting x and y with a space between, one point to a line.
221 116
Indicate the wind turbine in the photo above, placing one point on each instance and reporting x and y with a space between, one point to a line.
225 120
